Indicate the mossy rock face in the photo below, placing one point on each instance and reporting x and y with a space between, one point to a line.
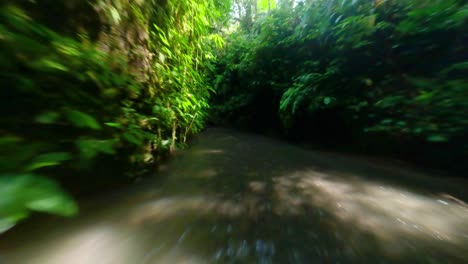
113 26
127 35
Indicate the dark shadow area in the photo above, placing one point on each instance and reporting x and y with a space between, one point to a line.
66 17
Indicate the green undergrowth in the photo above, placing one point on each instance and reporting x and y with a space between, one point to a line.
91 104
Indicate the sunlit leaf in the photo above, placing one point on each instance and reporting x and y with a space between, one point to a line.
115 15
48 64
112 124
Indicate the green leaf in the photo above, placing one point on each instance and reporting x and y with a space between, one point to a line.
56 203
115 15
327 100
90 148
49 159
111 124
47 117
266 5
132 138
48 64
83 120
437 138
21 193
386 121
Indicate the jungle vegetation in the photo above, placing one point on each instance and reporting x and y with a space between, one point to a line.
100 91
384 77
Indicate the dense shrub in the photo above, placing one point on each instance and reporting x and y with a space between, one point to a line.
347 73
90 104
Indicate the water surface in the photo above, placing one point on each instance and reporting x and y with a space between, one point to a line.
240 198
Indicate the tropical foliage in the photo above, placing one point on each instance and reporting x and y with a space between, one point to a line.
341 72
99 91
108 92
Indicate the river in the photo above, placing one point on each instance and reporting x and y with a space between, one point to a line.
240 198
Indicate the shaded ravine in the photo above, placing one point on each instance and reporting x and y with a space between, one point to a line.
240 198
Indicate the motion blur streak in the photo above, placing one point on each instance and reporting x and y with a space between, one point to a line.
287 205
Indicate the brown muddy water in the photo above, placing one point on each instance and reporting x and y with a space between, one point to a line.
240 198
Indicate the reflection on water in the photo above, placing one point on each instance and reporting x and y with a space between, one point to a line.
235 198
